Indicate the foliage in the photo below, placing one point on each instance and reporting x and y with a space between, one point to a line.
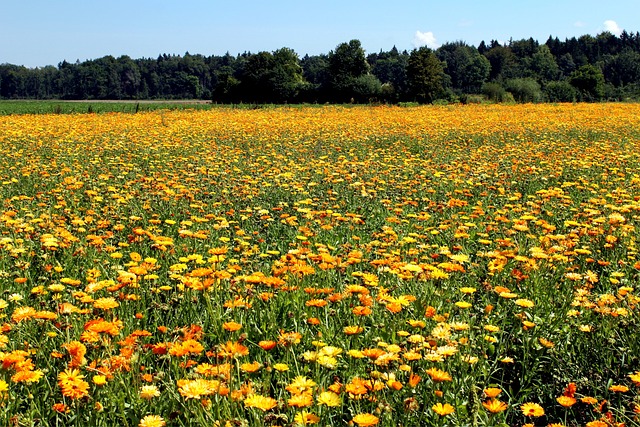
282 77
425 75
560 91
524 89
589 82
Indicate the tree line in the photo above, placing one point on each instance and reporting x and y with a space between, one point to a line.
587 68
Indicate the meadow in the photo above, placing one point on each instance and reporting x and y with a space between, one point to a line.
468 265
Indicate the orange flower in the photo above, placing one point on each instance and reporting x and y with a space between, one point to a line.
233 350
300 400
494 405
267 345
72 384
530 409
566 401
438 375
414 379
231 326
492 392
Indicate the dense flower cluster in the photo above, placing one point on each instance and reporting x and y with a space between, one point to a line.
330 266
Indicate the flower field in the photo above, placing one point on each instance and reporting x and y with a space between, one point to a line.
427 266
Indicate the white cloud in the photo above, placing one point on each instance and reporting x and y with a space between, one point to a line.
579 24
612 27
425 39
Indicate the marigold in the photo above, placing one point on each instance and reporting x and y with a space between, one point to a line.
152 421
438 375
530 409
443 410
566 401
261 402
365 420
300 400
306 418
494 405
148 392
328 398
492 392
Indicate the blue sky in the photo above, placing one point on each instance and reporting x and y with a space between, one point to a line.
45 32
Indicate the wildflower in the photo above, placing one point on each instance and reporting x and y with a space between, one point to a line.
616 388
306 418
281 367
60 408
152 421
72 383
99 380
352 330
525 303
494 405
365 420
492 392
231 326
148 392
300 385
27 376
261 402
530 409
106 303
328 398
438 375
566 401
267 345
635 377
289 338
300 400
443 410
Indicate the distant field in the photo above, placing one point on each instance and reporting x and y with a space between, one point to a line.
96 106
463 265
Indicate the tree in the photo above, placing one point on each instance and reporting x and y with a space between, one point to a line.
560 91
524 89
467 68
589 81
347 63
391 69
425 75
543 65
285 77
504 63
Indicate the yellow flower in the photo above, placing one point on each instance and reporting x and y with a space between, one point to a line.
261 402
328 398
148 392
443 410
524 303
152 421
281 367
306 418
99 379
530 409
365 420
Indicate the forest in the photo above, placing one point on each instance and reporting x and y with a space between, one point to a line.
589 68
